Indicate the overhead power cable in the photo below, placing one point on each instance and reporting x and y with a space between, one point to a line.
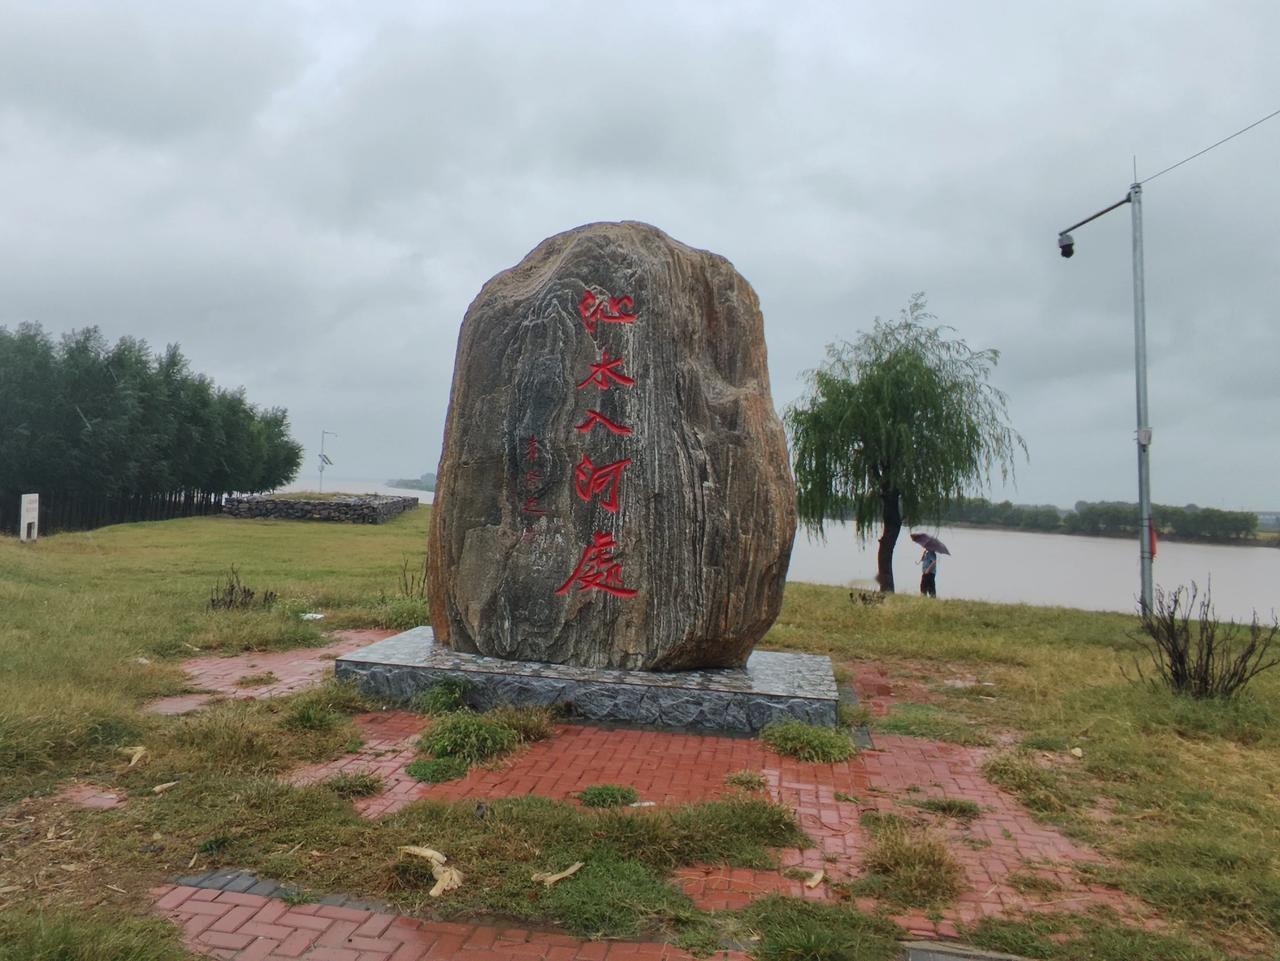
1274 113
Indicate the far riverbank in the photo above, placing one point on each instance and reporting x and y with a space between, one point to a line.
1261 539
1011 566
1062 570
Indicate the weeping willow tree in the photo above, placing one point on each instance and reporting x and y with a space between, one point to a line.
896 426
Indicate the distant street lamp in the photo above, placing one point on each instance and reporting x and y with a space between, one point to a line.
1066 246
324 458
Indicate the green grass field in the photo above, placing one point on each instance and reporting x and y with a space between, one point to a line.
93 622
1185 797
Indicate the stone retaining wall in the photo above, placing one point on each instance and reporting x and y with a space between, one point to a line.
364 509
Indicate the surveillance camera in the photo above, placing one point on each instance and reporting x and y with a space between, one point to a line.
1066 246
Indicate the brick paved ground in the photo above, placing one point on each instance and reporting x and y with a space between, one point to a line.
92 796
669 768
664 768
389 738
881 688
294 670
251 927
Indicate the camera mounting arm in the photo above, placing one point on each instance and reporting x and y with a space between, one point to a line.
1066 245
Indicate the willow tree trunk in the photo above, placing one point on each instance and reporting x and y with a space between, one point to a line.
891 511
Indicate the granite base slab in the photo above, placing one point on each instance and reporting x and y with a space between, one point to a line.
773 685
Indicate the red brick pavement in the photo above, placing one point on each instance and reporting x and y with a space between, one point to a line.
669 768
879 691
664 768
294 669
250 927
92 796
389 744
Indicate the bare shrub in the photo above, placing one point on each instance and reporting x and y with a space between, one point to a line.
235 595
407 607
1195 654
413 579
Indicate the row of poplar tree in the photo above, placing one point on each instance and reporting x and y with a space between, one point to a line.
107 433
1106 518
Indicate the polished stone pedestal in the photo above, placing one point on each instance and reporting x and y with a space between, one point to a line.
773 685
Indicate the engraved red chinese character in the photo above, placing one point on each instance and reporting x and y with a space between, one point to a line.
590 479
530 506
531 449
597 569
595 417
613 310
605 370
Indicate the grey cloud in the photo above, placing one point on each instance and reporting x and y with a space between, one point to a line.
142 72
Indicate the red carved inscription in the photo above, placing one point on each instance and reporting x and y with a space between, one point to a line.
595 417
606 369
532 478
597 569
590 479
612 310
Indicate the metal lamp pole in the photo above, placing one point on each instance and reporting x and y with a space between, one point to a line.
1067 247
1146 534
324 461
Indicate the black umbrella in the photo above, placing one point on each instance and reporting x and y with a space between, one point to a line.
930 543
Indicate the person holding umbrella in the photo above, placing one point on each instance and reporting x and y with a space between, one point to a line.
929 562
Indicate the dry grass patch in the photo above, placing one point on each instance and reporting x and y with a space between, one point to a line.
958 809
807 742
608 796
789 929
908 865
1099 937
94 622
353 785
930 721
747 780
468 737
312 839
87 936
1040 789
1028 882
443 697
529 722
257 680
437 770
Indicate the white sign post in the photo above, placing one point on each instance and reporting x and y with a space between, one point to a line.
29 517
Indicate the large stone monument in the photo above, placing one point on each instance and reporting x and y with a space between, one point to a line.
614 508
614 490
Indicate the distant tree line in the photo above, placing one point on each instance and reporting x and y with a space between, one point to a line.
980 511
427 482
1107 519
111 433
1187 523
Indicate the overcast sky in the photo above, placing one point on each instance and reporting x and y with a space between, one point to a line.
306 197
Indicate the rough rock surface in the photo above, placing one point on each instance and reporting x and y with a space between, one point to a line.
614 489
